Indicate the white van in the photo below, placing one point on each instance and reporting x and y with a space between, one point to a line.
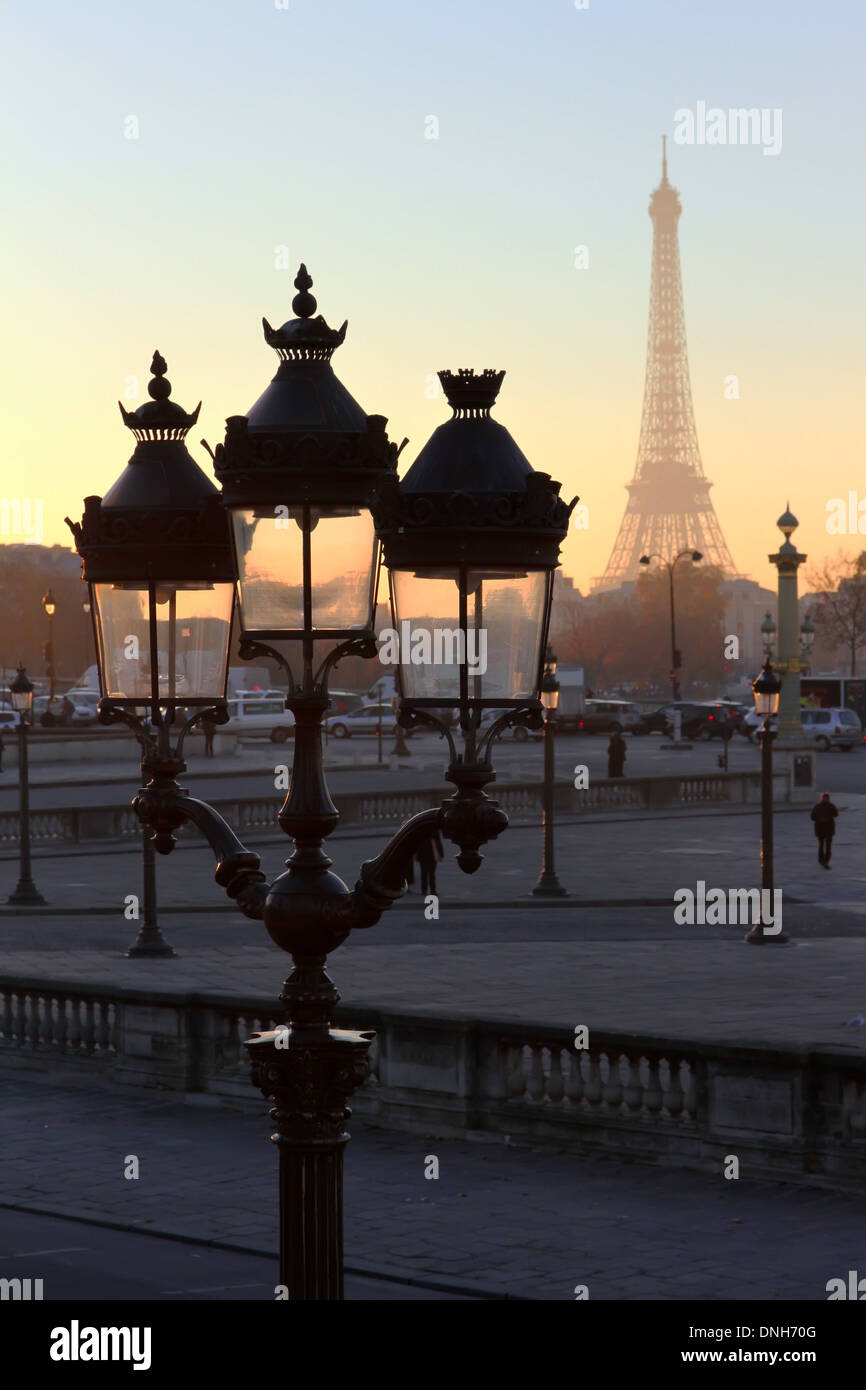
258 712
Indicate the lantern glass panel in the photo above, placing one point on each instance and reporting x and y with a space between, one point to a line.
283 553
495 633
193 627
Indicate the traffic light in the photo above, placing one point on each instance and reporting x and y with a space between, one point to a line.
678 658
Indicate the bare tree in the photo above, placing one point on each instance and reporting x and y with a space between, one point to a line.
840 613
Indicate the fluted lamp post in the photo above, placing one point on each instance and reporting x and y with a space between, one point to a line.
766 689
26 893
301 474
670 566
548 885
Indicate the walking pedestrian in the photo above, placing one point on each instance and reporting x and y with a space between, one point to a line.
428 854
209 727
824 815
616 752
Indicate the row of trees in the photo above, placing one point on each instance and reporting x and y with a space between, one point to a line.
838 610
624 638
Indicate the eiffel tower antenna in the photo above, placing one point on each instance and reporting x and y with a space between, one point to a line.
669 507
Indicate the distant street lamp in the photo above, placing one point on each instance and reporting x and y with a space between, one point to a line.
49 607
768 635
548 885
766 690
21 693
670 566
807 637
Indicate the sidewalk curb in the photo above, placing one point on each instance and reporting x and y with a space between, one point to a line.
437 1283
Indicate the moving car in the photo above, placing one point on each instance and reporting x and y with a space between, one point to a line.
712 719
608 717
254 713
364 720
828 728
519 733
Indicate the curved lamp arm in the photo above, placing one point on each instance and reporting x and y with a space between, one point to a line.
163 809
383 879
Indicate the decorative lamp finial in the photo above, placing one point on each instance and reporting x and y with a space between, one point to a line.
787 522
304 304
159 420
469 393
159 389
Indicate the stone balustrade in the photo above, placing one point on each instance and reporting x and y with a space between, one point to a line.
521 800
797 1115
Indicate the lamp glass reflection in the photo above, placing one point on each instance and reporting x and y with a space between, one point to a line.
489 621
305 568
193 627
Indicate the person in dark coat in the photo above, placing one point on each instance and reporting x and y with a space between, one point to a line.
824 815
209 727
428 854
616 756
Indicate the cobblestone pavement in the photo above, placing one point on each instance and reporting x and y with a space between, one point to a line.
643 859
499 1219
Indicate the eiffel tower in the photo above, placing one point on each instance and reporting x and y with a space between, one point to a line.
669 507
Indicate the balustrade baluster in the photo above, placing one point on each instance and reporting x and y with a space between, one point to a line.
653 1097
535 1079
612 1092
555 1087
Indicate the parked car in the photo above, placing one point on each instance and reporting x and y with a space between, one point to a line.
86 704
519 733
344 701
701 720
364 720
9 720
608 717
828 728
253 713
840 728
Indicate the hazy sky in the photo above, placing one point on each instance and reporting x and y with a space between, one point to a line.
261 127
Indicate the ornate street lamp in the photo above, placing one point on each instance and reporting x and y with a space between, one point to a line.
49 608
158 561
670 566
21 695
548 885
807 637
301 473
471 540
766 689
768 635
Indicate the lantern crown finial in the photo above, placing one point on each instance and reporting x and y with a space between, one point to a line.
304 303
159 419
304 339
471 394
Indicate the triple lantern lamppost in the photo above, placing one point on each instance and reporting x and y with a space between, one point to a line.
309 500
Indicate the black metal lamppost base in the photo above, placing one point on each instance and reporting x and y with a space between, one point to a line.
150 942
549 886
758 937
26 895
